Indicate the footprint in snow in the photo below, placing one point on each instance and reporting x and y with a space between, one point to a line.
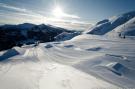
119 56
57 43
66 83
69 46
48 46
94 49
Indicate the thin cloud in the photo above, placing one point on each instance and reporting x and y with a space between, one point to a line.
71 16
21 10
12 7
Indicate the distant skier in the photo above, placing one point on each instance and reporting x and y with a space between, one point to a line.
124 37
120 35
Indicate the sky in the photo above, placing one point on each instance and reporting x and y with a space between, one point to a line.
76 13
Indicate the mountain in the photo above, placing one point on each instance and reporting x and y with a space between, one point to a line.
17 35
24 26
125 30
108 25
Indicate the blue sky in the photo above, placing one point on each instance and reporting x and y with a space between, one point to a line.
74 11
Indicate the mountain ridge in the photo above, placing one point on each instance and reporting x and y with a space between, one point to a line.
27 33
107 25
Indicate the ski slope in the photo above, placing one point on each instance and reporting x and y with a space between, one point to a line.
84 62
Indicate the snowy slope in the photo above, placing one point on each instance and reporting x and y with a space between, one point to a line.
127 29
107 25
85 62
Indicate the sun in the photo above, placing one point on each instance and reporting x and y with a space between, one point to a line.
58 12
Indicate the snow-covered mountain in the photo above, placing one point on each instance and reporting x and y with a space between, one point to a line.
125 30
121 22
13 35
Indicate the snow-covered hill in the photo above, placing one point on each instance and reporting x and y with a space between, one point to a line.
85 62
124 21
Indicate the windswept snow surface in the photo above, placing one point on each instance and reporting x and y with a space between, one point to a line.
85 62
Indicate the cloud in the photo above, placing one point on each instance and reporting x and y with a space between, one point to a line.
70 24
71 16
13 14
22 12
74 26
12 7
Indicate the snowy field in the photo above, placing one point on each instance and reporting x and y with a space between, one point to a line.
84 62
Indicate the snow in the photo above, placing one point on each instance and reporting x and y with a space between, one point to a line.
85 62
127 29
45 73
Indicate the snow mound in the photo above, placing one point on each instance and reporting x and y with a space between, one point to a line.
8 54
69 46
48 46
107 25
116 68
94 49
